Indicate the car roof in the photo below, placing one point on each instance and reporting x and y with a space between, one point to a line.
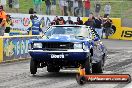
69 25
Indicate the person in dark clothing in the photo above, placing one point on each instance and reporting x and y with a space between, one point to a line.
55 21
97 7
69 21
79 21
70 7
9 23
91 21
98 26
62 21
107 26
80 5
48 7
10 4
31 11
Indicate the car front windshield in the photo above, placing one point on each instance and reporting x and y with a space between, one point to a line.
67 30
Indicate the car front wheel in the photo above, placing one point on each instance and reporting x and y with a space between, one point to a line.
88 66
33 66
98 67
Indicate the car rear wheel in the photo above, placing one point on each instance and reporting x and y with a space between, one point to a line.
33 66
53 68
98 67
88 66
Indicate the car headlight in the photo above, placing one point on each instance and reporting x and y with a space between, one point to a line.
77 46
85 47
37 45
29 46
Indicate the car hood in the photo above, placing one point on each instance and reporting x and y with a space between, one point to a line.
61 38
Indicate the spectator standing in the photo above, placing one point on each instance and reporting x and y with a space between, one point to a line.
31 11
65 8
91 21
55 21
35 26
79 21
53 7
37 6
61 21
70 7
87 7
48 7
98 26
80 5
16 5
107 10
2 20
97 7
9 23
107 26
61 4
75 7
3 3
69 21
10 4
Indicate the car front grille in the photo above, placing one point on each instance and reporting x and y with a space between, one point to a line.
58 45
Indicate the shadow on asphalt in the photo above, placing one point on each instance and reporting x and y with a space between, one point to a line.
56 75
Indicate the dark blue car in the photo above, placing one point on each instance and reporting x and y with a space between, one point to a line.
67 46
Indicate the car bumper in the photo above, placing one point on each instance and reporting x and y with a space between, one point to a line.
72 55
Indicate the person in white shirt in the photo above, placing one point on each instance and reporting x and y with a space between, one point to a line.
3 3
65 8
107 10
16 5
75 7
61 4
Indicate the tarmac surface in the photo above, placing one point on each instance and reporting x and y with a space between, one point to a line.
17 74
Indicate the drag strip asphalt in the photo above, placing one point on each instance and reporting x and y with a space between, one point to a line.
17 74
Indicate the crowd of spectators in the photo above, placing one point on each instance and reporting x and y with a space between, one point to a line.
12 4
66 7
97 23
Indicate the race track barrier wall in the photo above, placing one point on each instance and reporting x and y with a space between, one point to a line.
122 33
126 33
14 47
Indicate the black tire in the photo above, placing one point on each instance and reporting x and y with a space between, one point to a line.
98 67
33 66
53 69
88 66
